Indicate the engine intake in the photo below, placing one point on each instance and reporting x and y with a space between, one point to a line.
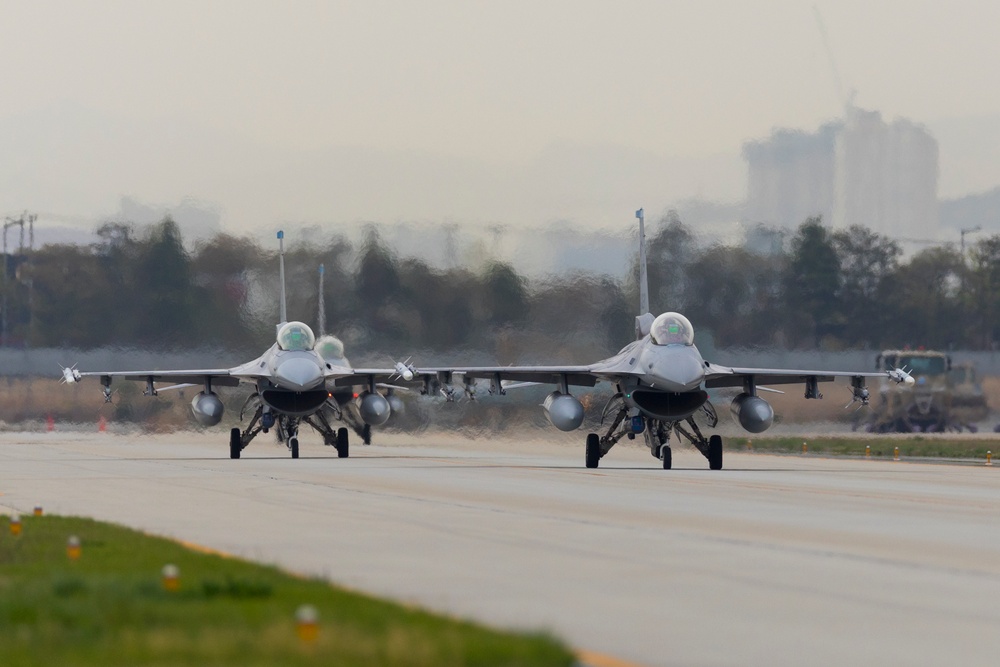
564 411
753 413
207 409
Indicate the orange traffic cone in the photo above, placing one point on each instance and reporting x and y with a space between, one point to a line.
102 424
50 423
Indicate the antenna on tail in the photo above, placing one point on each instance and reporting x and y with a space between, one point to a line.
644 320
281 276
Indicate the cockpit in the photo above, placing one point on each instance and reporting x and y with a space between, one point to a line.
330 348
672 329
295 337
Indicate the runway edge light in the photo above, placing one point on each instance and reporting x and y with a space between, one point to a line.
171 578
895 453
307 623
73 547
805 447
989 457
38 510
868 451
15 524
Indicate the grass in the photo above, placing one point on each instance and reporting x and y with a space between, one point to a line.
909 446
109 607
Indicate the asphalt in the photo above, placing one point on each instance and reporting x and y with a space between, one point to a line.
774 560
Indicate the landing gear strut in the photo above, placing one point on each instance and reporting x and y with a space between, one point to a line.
657 434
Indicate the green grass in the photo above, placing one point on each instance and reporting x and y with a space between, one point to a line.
910 446
109 608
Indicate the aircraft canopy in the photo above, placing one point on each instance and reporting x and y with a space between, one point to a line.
296 336
672 329
330 348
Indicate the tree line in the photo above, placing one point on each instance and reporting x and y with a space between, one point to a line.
819 289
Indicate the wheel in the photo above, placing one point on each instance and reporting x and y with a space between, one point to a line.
343 444
666 455
235 445
593 450
715 452
293 444
366 434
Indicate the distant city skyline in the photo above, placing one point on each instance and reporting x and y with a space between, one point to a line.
520 113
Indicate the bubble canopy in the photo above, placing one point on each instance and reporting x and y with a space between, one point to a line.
330 347
295 336
672 329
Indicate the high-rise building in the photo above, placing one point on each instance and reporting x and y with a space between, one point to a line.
856 171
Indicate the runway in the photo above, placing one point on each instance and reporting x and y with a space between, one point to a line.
774 560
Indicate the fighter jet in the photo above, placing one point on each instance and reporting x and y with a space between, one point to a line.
660 382
298 380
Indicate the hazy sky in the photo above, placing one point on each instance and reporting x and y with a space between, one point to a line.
508 111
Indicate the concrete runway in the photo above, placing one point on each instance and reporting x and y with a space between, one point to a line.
774 560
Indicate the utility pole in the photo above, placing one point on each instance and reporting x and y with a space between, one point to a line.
8 223
963 232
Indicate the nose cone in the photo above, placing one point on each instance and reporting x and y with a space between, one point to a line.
298 374
676 369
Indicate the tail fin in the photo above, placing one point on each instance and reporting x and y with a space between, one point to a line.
281 277
321 315
645 319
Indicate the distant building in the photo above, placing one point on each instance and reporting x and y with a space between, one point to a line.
856 171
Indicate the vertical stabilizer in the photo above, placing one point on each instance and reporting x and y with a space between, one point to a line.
322 308
281 277
644 320
643 281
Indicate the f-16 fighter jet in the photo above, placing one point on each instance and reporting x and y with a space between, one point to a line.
296 381
660 383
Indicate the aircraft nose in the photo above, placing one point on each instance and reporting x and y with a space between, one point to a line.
681 371
298 374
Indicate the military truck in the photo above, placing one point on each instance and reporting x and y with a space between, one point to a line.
942 398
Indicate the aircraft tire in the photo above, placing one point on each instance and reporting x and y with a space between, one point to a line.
667 457
234 444
343 444
293 443
366 434
715 452
593 450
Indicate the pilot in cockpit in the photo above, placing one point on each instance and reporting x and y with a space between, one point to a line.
672 329
296 337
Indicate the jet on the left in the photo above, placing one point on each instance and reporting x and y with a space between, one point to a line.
295 382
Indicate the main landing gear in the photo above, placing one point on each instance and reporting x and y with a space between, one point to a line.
288 432
657 435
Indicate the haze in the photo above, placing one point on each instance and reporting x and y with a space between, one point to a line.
515 113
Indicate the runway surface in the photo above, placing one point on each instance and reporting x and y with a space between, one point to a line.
774 560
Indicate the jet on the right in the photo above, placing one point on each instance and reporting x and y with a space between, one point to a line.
660 382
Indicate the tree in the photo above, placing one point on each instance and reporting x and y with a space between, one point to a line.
927 310
868 261
163 286
983 292
669 252
811 285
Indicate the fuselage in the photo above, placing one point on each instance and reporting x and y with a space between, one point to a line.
665 370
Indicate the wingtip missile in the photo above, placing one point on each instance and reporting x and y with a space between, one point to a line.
405 370
900 375
70 374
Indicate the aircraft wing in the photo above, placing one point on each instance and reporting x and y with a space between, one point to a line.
357 377
217 376
725 376
583 376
